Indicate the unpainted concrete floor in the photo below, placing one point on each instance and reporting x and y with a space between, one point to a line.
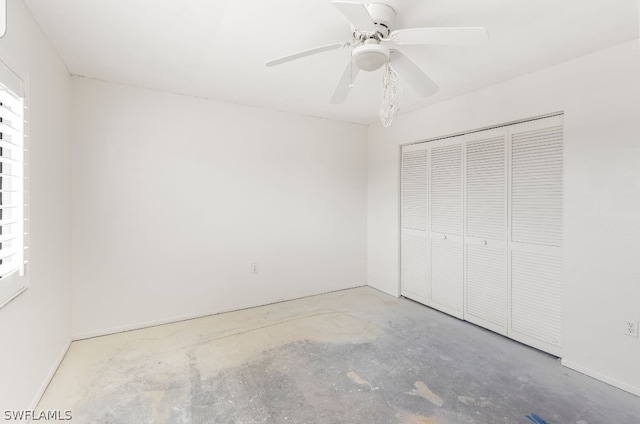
354 356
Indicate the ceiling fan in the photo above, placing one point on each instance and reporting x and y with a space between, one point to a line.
373 45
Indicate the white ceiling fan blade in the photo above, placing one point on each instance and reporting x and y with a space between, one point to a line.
304 53
414 76
462 36
344 85
357 14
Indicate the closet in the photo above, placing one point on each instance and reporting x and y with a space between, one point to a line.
481 229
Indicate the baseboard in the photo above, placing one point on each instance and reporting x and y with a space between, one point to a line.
395 293
174 319
602 377
49 377
144 324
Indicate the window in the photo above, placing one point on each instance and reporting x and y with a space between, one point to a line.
13 233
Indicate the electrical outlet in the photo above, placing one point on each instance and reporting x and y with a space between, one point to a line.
631 328
254 268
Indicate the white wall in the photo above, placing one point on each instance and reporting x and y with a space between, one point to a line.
35 328
600 95
175 197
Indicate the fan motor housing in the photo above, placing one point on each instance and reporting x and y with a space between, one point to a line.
383 16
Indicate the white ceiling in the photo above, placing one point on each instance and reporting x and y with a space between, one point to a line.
217 48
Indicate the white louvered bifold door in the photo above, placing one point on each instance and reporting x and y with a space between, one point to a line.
536 150
481 234
414 211
486 290
445 206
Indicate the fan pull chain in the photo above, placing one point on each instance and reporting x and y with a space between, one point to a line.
391 95
351 72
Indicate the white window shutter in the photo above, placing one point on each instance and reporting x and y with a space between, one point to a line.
12 186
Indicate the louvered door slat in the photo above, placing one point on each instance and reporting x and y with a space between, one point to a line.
447 276
536 234
446 189
485 184
414 270
446 248
485 231
486 287
414 239
536 186
536 296
414 189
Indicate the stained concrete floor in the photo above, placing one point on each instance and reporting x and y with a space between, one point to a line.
355 356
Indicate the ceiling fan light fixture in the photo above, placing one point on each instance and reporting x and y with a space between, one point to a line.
373 44
370 56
